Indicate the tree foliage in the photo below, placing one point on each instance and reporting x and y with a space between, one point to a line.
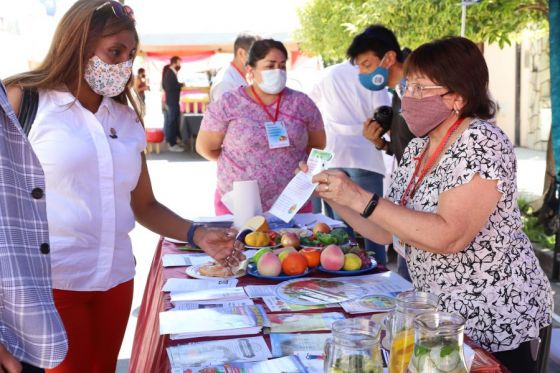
328 26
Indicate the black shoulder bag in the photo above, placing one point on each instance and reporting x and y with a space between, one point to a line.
28 109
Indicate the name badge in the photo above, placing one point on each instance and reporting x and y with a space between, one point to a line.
399 246
277 135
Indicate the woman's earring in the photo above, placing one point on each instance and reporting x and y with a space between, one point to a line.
456 111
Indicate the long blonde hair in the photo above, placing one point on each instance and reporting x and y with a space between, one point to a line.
76 35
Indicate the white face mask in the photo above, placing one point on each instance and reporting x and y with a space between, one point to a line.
106 79
273 81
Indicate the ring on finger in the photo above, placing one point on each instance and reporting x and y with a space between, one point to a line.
326 187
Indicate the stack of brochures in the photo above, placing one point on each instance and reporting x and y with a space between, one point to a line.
197 356
210 322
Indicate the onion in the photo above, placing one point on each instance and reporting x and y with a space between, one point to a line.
290 239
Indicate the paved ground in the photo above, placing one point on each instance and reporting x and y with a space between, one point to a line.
186 183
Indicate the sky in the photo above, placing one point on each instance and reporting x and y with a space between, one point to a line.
26 29
215 16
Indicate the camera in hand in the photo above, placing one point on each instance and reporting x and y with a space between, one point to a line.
383 115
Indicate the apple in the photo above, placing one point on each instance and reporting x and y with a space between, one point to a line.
282 249
321 227
290 239
283 255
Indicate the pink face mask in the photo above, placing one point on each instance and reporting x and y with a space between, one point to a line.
424 114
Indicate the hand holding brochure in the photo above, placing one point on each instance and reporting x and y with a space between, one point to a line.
300 188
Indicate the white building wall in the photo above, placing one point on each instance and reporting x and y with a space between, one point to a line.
501 67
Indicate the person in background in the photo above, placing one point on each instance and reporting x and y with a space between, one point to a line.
90 144
233 76
172 89
377 53
452 207
261 131
32 336
345 104
141 84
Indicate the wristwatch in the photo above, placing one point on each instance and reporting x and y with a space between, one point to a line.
190 233
372 204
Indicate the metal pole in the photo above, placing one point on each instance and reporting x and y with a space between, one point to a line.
463 18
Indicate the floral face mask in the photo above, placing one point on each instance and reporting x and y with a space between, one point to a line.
106 79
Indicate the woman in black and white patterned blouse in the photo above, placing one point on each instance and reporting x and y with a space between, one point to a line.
452 206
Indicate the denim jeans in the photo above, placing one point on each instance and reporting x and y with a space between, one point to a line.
171 124
372 182
402 268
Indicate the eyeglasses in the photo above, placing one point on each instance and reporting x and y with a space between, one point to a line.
417 90
118 9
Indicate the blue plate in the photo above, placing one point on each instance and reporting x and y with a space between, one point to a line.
252 270
349 273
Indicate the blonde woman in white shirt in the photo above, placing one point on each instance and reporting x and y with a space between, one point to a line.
90 144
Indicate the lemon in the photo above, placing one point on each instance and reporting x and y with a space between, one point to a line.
352 262
257 239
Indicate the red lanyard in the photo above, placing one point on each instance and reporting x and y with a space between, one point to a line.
412 185
239 71
272 118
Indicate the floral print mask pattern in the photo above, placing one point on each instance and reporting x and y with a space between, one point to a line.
106 79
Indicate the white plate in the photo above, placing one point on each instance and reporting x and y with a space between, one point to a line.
177 242
262 247
193 271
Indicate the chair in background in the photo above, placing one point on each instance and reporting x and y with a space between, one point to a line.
154 136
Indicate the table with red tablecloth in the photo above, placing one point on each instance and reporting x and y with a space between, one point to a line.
149 348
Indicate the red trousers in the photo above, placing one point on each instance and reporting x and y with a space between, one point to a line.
95 322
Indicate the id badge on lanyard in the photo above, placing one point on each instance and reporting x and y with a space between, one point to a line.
399 246
277 134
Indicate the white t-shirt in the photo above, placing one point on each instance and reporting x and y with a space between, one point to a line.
89 178
227 79
345 105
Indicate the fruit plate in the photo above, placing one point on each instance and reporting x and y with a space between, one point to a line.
262 247
194 272
315 291
252 270
349 273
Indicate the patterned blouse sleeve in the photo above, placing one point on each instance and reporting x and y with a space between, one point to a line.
486 151
215 118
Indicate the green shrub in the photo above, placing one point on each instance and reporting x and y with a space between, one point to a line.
532 227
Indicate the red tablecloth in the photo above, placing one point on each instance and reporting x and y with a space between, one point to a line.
148 350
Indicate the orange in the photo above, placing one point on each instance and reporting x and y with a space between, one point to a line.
294 264
313 256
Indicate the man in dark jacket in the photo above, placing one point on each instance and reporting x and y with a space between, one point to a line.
379 57
172 89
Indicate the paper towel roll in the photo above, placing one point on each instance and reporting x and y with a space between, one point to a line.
246 201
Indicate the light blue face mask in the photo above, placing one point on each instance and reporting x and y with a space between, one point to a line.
375 80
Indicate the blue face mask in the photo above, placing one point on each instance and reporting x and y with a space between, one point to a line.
375 80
